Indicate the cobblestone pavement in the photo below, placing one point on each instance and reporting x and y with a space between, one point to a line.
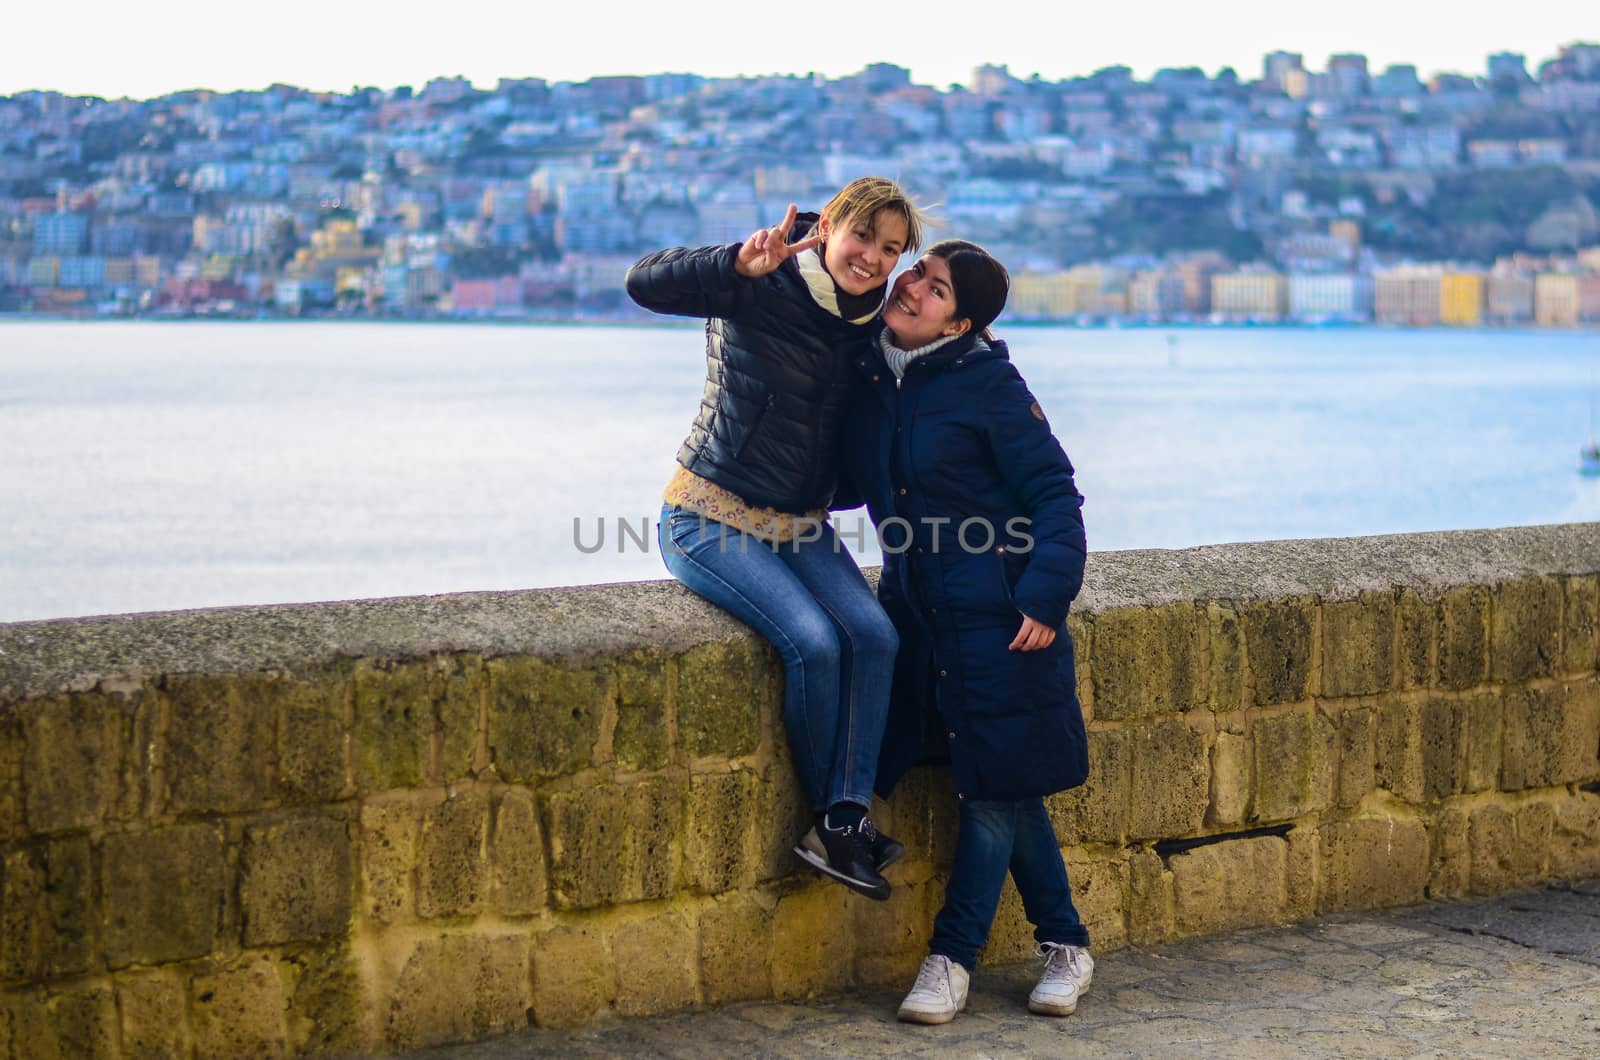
1515 977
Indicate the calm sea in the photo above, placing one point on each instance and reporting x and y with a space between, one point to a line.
149 466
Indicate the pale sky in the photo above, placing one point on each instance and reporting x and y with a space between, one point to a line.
116 47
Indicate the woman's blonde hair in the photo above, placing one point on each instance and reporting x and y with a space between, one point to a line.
864 198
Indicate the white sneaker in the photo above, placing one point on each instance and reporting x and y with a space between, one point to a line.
939 992
1067 972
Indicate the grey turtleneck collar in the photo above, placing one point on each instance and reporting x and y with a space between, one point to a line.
899 360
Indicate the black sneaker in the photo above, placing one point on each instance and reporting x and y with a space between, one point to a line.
886 850
846 855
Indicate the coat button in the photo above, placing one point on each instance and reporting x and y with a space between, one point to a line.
959 795
951 735
874 379
902 491
943 673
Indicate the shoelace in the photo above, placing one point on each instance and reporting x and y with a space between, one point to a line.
931 976
1068 958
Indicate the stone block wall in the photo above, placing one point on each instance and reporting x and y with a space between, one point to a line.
353 828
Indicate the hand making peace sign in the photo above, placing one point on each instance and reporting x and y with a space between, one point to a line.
768 248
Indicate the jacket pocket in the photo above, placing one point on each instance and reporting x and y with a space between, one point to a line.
748 430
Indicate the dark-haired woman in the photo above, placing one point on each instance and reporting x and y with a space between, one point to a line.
984 551
745 517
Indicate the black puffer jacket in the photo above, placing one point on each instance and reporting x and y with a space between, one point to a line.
779 372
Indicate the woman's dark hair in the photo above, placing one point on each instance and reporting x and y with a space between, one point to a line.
981 282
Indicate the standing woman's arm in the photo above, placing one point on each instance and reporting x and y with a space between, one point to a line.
1039 475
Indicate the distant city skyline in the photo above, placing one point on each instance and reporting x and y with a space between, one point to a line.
162 46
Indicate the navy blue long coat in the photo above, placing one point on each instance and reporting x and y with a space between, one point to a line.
961 448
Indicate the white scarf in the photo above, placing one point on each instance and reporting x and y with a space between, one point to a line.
821 284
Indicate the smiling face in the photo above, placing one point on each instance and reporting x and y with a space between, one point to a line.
922 306
862 251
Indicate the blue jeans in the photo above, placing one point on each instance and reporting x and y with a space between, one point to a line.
995 837
810 601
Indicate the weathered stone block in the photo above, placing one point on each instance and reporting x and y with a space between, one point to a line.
1450 867
389 832
891 936
1372 862
458 987
452 857
1241 883
813 946
544 719
640 741
1525 629
1397 746
461 686
1010 938
217 720
1096 811
328 1007
1463 625
312 731
1580 621
1358 645
11 757
1300 881
1415 636
718 835
297 880
1357 766
1169 792
1575 837
1481 727
164 893
735 936
1100 893
74 748
1440 737
661 955
1492 839
516 855
1231 776
614 843
1582 723
241 1011
1149 661
1277 644
1078 628
721 689
574 977
394 723
152 1007
78 1022
1551 736
1226 643
1150 899
1535 824
47 917
782 808
1293 766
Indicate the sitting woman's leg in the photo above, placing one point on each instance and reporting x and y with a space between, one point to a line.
867 646
759 585
745 577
